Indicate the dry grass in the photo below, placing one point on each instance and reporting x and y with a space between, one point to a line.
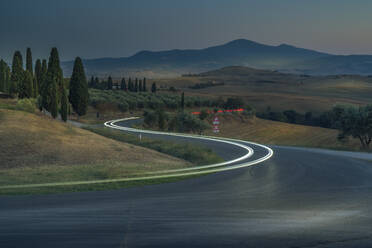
279 133
45 149
261 89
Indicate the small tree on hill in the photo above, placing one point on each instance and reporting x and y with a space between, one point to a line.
91 82
96 83
110 84
144 85
123 85
183 101
354 121
130 85
140 86
136 85
153 87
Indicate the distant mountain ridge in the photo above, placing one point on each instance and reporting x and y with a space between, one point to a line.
241 52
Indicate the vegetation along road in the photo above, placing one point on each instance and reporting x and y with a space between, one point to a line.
297 198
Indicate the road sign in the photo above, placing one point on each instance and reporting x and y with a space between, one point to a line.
216 124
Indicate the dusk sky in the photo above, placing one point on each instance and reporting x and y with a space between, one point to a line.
117 28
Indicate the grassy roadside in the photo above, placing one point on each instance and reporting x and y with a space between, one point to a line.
90 187
197 155
36 149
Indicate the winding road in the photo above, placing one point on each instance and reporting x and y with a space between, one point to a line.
297 198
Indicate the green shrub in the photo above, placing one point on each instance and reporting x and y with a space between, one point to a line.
151 118
203 114
184 122
249 112
123 106
27 105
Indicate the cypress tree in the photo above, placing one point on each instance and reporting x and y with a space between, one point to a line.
54 69
79 95
17 72
109 83
153 87
43 87
183 101
136 85
64 105
104 85
96 82
4 77
53 98
26 86
130 85
91 82
140 86
44 67
38 75
35 88
54 74
123 85
29 61
8 78
144 85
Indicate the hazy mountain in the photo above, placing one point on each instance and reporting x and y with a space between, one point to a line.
240 52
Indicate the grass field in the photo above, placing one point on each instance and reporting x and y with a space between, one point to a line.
278 133
261 88
197 155
37 149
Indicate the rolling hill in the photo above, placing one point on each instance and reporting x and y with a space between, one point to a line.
279 133
37 149
171 63
277 90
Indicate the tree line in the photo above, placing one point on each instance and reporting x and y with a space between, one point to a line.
205 85
351 121
325 119
136 85
46 83
178 122
125 100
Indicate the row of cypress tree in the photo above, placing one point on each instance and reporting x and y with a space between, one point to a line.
137 86
46 83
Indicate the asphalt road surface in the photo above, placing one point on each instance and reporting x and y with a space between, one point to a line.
298 198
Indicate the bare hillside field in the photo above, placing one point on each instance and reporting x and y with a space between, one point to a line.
279 133
37 149
262 88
